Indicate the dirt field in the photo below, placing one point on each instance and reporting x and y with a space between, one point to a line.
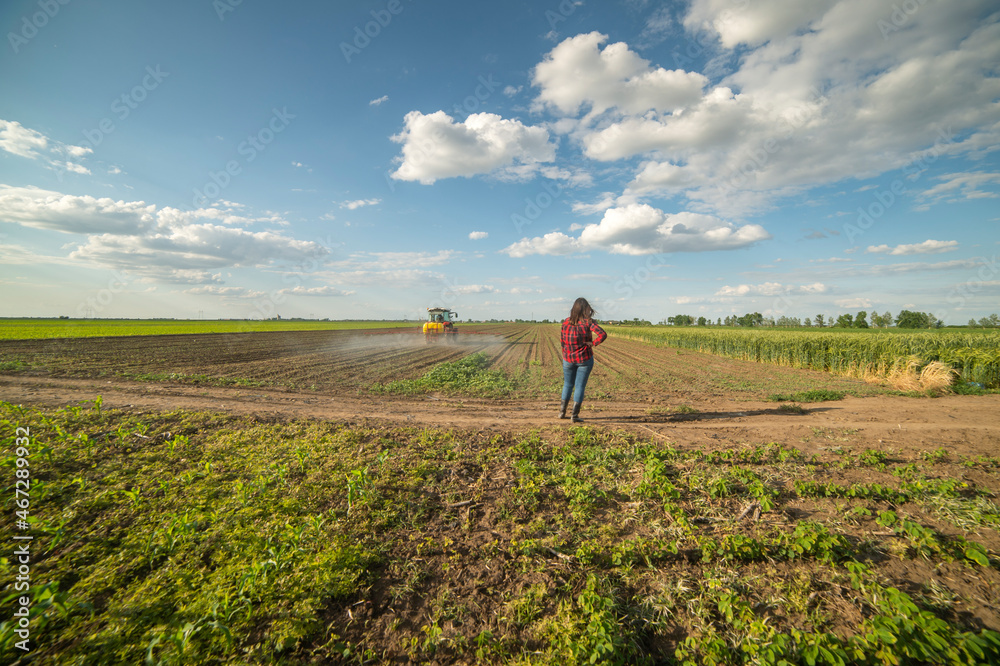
683 396
480 523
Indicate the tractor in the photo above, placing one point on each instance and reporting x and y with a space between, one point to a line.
440 325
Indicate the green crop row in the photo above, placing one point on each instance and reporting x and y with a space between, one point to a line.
976 356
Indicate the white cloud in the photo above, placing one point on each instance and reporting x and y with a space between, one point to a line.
577 73
853 303
193 247
478 235
24 142
71 167
639 229
659 24
45 209
385 261
19 140
378 101
214 290
165 243
555 242
752 23
316 291
606 201
765 289
401 278
359 203
510 91
868 270
961 186
573 177
12 254
657 176
927 247
818 97
436 147
462 289
225 203
728 293
771 289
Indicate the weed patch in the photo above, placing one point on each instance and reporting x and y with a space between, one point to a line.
198 538
471 375
820 395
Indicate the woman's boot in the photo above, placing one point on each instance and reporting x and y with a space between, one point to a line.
562 409
576 412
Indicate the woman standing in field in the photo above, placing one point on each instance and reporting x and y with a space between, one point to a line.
580 334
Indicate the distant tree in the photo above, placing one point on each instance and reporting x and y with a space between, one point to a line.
844 321
808 322
993 321
755 319
861 320
819 320
718 322
702 321
908 319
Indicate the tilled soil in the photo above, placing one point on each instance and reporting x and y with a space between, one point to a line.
681 396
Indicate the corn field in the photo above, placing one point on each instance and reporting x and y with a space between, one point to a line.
865 354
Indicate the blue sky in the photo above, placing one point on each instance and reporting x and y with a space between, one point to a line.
372 159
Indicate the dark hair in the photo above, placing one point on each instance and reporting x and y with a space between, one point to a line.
581 310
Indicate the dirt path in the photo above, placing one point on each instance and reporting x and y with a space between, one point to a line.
965 425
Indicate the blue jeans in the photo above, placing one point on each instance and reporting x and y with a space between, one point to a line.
576 374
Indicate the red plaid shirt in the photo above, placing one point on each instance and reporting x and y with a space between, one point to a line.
574 340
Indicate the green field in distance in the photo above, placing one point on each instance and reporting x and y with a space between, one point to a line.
32 329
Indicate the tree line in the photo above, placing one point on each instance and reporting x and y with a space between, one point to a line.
905 319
